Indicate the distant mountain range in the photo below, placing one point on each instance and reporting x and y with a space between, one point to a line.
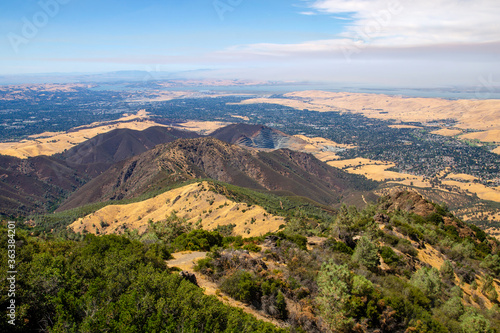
127 163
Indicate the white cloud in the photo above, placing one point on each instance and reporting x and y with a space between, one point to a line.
422 22
394 25
308 13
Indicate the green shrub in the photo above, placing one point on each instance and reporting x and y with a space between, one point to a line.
406 247
390 239
453 308
299 240
225 230
112 284
366 253
390 257
472 322
158 250
242 286
344 297
480 234
203 264
428 281
270 286
197 240
281 306
488 288
339 247
252 247
435 218
492 262
234 241
447 272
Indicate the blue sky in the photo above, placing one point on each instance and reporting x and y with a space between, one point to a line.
384 42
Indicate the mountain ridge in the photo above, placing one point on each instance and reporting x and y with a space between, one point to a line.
279 170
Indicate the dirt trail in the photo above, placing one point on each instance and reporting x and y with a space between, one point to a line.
186 260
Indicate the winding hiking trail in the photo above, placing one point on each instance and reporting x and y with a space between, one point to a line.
186 261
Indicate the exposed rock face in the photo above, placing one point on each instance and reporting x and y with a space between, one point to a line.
407 201
381 218
255 136
189 277
414 203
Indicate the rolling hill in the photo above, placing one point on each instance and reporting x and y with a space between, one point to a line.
120 144
282 171
194 202
38 184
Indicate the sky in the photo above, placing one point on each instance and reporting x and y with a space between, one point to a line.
424 43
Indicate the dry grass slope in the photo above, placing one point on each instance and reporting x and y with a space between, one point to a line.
193 202
476 114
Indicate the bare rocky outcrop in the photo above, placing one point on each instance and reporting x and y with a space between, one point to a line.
188 276
407 201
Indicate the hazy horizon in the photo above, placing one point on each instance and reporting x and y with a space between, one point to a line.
384 43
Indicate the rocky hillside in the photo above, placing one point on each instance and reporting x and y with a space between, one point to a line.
283 171
36 184
255 136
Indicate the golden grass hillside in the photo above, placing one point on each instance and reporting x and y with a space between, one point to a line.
483 192
201 127
476 114
447 132
193 202
486 136
378 170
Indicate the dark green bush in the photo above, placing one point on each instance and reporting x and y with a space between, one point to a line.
390 257
435 218
252 247
340 247
299 240
242 286
197 240
112 284
480 234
